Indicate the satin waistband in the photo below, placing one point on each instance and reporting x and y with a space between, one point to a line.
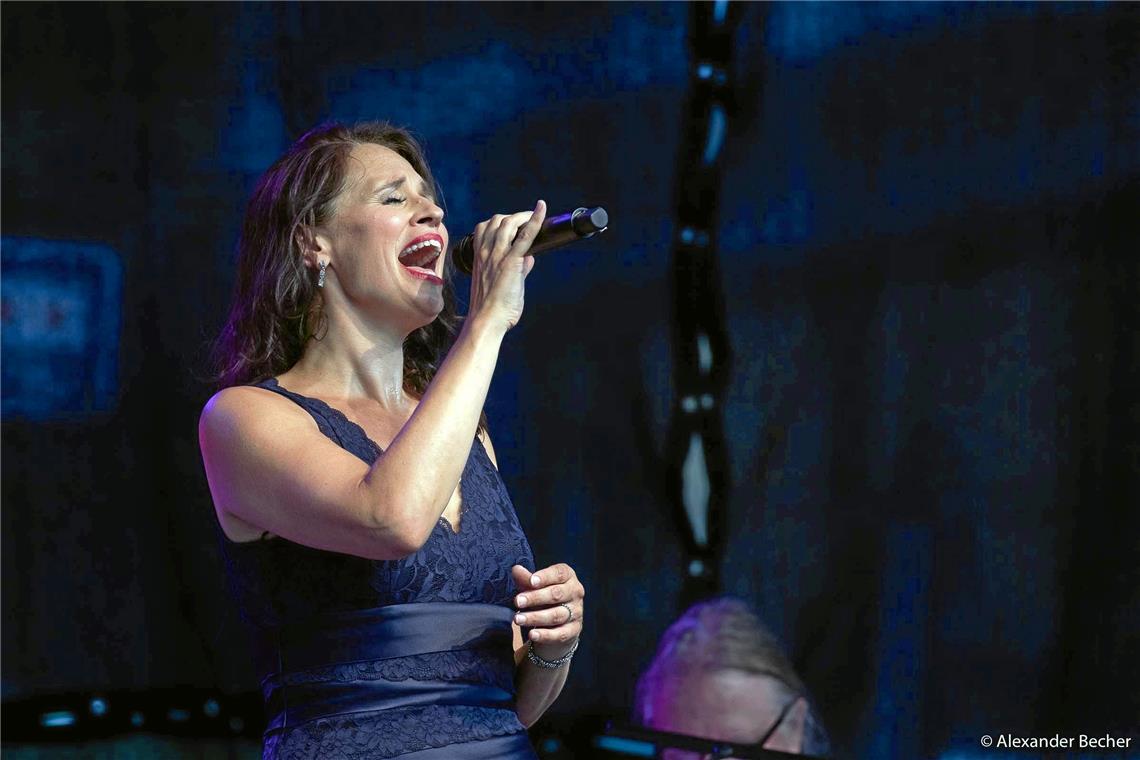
397 630
376 634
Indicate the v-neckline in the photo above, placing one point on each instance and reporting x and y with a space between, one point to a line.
443 521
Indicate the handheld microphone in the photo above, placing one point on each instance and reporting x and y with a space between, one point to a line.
556 231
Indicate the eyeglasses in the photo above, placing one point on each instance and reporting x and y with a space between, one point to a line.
759 745
779 721
644 742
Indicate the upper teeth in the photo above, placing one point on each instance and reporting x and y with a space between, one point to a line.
422 244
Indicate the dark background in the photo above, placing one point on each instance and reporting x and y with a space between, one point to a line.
927 243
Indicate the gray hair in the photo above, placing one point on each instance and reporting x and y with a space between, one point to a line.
724 634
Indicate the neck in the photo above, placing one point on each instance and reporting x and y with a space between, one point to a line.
355 360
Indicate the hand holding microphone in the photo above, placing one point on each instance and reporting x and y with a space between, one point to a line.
500 245
556 231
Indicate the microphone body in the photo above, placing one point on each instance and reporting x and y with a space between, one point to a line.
556 231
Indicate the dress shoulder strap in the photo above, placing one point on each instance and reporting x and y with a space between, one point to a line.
331 422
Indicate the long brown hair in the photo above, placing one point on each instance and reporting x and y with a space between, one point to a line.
276 305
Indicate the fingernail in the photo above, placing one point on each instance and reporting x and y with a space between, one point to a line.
520 619
522 601
535 580
534 635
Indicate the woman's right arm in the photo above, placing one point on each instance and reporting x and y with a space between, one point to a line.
270 467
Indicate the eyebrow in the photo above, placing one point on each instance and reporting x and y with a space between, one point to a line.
425 189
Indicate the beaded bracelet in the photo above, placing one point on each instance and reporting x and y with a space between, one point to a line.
550 663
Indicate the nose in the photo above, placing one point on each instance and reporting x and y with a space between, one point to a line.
430 213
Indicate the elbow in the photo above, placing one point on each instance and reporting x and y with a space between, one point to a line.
412 533
391 544
396 530
406 545
398 537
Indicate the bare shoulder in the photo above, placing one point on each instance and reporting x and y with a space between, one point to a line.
270 469
238 432
238 401
242 412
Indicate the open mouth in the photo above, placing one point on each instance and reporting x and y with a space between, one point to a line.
419 257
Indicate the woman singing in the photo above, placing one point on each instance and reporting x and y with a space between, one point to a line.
368 536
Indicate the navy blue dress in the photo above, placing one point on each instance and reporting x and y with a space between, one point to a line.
408 658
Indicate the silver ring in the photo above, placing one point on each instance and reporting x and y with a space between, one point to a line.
569 612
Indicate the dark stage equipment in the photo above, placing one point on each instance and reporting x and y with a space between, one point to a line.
180 711
697 455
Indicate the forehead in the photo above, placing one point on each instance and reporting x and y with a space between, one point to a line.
727 705
371 165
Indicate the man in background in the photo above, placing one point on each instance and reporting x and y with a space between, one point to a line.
720 674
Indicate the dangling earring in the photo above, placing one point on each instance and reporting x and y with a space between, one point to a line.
321 276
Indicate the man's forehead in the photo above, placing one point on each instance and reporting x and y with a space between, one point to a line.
729 705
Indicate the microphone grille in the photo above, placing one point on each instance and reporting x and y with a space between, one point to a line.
591 220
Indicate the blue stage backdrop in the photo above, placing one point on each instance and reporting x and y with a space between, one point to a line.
927 238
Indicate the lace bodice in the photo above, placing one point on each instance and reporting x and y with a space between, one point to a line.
280 584
277 581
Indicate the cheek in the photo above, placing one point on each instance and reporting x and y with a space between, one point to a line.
392 223
673 711
380 228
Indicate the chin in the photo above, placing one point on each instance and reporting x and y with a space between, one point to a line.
428 311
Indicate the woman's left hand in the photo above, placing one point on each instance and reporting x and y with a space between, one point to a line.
551 603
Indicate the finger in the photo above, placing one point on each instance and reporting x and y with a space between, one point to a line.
506 236
527 232
521 576
551 595
550 585
550 617
562 634
555 574
523 582
477 236
490 235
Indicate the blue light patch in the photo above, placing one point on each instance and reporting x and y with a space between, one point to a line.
60 305
57 719
253 134
715 134
720 11
630 747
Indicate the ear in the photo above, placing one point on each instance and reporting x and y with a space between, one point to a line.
313 244
790 736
